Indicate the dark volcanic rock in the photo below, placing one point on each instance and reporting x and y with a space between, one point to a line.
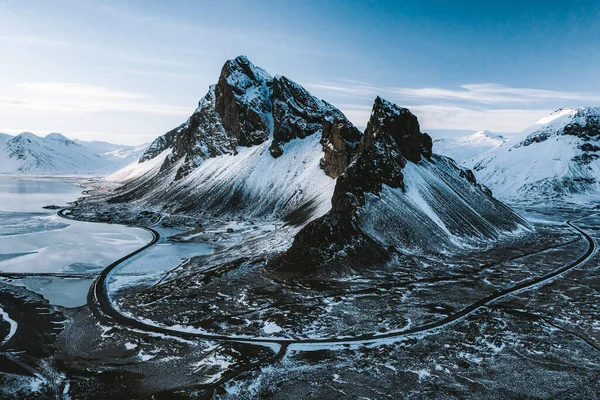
244 117
391 132
340 144
374 214
402 126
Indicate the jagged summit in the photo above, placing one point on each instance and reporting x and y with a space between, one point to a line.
395 195
246 107
271 131
557 157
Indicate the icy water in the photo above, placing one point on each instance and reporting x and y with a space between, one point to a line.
150 266
36 240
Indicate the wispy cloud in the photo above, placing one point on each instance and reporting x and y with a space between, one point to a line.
79 90
32 41
78 106
481 93
82 98
153 73
444 117
491 93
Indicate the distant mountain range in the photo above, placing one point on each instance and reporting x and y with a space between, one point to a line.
54 154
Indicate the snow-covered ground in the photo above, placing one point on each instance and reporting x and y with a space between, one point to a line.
269 186
12 323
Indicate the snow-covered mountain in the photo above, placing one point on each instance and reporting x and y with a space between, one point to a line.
558 157
256 145
466 147
398 197
262 147
27 153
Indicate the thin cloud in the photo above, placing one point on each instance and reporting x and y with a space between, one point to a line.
490 93
79 90
32 41
80 107
482 93
154 73
441 117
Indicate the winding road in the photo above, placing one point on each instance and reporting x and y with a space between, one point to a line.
99 302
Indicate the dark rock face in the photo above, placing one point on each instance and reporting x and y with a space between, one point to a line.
297 113
391 138
243 117
340 145
348 237
403 128
391 132
243 109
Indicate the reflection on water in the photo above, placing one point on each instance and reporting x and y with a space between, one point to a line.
30 195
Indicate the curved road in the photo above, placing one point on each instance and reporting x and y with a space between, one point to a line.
98 301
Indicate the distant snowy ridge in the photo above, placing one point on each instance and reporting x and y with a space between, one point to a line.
55 154
466 147
556 158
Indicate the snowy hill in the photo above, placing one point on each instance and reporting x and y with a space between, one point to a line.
466 147
256 145
398 196
55 154
556 158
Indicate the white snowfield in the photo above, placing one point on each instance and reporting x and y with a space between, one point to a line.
268 186
543 162
55 154
466 147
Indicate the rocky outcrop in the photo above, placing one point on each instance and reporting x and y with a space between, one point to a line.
243 103
340 145
375 211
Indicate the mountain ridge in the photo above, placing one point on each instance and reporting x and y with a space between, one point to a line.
556 158
54 153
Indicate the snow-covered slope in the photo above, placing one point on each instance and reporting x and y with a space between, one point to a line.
556 158
397 196
466 147
55 154
256 145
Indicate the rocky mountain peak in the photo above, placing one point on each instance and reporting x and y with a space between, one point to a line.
395 192
248 107
401 126
243 101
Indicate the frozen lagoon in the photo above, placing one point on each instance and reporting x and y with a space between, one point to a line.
35 240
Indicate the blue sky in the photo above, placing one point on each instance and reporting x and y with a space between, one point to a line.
128 71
